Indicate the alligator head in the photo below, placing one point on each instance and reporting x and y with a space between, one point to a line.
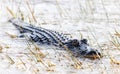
82 48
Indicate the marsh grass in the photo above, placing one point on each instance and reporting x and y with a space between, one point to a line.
36 55
33 53
10 12
115 39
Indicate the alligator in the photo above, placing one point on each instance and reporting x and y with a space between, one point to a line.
41 36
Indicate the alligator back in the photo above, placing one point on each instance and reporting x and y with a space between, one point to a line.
46 36
38 34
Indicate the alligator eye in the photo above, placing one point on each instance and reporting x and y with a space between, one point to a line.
75 42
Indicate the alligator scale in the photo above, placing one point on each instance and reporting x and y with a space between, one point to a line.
41 35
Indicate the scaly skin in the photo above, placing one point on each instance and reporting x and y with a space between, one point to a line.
41 35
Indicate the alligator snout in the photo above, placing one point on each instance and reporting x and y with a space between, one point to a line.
93 55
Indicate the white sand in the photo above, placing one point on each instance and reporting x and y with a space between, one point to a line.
75 17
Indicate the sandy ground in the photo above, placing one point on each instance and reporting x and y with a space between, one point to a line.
98 21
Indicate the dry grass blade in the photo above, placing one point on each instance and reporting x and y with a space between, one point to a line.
37 56
77 65
115 39
50 69
11 61
1 48
22 15
93 57
10 11
50 64
31 11
7 46
11 35
107 16
22 63
117 33
59 8
114 61
35 71
93 34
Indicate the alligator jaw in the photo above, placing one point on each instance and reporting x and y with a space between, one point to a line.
94 56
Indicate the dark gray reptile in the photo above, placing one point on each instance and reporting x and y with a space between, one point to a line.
41 35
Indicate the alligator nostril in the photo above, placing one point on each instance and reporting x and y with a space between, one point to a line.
99 54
